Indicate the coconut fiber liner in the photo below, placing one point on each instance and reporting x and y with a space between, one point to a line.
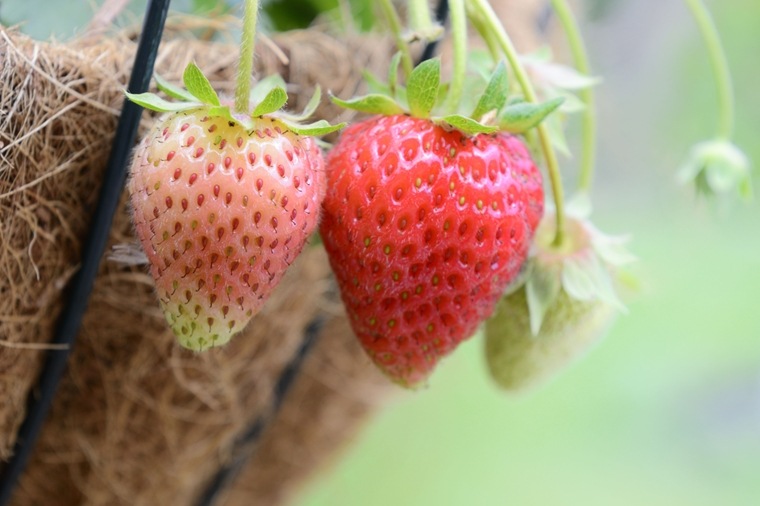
137 420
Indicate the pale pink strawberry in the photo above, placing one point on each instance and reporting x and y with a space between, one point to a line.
221 212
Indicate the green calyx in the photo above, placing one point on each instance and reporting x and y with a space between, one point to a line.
584 267
717 167
424 96
267 98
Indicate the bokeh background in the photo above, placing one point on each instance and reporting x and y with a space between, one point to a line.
664 411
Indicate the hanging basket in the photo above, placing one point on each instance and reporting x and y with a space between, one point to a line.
136 419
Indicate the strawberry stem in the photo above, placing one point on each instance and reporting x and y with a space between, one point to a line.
459 34
588 127
719 64
245 65
393 19
419 16
491 22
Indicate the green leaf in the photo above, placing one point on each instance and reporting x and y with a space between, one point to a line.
197 84
317 128
519 118
262 88
155 103
393 73
467 125
313 103
586 278
495 94
371 104
273 101
541 290
173 91
553 125
422 87
572 103
612 250
224 111
374 84
480 62
559 76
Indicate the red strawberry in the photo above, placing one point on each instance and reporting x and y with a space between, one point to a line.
223 203
425 226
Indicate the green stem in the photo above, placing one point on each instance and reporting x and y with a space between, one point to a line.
419 16
719 65
588 127
491 21
459 35
393 19
245 65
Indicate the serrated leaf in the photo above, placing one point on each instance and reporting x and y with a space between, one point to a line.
198 86
172 90
315 129
541 290
467 125
273 101
422 87
495 94
371 104
155 103
262 88
519 118
393 73
224 111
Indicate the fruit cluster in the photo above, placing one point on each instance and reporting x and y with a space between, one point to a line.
432 208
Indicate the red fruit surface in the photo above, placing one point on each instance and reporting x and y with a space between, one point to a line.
221 213
425 228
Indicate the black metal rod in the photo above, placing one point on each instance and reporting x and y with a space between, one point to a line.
81 285
247 441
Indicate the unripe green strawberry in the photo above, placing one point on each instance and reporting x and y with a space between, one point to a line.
425 226
565 305
517 359
221 213
223 203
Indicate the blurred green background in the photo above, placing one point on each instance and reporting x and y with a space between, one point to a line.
666 410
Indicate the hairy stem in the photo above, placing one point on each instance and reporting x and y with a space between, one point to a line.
491 21
393 19
719 64
459 34
588 127
245 65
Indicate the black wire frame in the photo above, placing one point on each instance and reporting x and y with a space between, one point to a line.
78 294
